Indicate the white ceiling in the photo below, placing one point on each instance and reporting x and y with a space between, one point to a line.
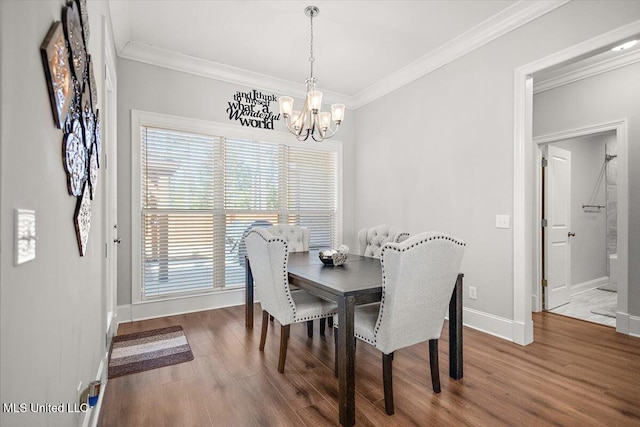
360 46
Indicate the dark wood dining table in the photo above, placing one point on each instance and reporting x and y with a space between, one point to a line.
357 281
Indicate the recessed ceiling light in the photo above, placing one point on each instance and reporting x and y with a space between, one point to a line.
625 45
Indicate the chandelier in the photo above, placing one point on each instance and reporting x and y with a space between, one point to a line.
311 122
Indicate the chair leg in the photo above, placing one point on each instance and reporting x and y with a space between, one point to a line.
330 321
435 369
335 354
284 340
387 379
265 325
323 324
310 328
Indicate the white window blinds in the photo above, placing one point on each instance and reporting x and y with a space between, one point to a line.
177 211
200 194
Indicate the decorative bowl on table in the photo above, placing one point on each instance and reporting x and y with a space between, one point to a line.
334 257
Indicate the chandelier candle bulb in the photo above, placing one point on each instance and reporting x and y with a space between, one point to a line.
325 120
337 112
315 100
286 105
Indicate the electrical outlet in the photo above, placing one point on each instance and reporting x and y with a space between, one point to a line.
473 292
502 221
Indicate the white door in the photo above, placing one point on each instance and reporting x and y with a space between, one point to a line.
108 164
557 233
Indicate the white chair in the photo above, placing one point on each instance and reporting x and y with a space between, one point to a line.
268 256
418 277
371 240
297 239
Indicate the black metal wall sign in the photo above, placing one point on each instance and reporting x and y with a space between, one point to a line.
252 109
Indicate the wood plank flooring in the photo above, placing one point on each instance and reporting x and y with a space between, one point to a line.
575 374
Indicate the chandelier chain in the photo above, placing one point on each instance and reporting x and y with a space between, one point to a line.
311 58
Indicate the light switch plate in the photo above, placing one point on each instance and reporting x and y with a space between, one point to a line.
502 221
24 235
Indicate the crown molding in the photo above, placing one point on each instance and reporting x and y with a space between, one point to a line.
507 20
587 71
498 25
214 70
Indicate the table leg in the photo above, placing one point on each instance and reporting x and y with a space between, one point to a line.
346 362
455 331
248 305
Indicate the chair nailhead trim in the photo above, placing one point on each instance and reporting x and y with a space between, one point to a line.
384 277
284 267
317 316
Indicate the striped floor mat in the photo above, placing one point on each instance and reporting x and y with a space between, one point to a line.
146 350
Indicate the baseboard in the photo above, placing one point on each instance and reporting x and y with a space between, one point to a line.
534 303
622 323
589 285
634 326
90 418
181 305
488 323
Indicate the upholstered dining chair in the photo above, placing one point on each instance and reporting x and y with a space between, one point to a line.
268 256
297 239
371 240
418 277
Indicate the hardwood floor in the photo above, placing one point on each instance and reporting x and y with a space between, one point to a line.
575 374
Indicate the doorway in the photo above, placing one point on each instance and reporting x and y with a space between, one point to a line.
579 236
526 178
108 163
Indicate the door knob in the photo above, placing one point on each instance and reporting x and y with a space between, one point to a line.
116 241
570 234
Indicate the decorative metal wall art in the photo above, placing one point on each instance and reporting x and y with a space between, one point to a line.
74 100
93 170
88 118
84 17
73 31
82 220
93 88
98 138
55 58
75 156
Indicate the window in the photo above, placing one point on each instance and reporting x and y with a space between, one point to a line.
203 186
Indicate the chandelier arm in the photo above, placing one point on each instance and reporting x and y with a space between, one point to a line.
301 138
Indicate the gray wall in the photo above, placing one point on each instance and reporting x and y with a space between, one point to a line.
161 90
442 158
589 259
52 324
603 98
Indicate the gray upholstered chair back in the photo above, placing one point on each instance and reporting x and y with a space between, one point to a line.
371 240
296 237
418 277
268 256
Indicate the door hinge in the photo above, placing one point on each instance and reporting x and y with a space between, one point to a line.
543 223
544 283
106 251
545 162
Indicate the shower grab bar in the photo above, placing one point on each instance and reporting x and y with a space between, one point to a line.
593 206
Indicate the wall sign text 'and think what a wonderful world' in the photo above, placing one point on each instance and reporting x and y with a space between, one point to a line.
252 109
